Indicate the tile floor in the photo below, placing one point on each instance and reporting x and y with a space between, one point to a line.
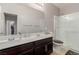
59 50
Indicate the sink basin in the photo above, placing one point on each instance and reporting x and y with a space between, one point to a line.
29 37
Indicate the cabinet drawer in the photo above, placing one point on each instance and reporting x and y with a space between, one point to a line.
40 42
50 39
43 41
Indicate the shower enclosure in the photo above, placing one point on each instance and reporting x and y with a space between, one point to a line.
67 30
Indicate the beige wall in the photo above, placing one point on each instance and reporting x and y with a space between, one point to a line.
30 16
50 12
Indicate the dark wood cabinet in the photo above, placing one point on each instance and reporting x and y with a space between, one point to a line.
9 51
25 48
40 47
28 52
49 48
43 47
40 50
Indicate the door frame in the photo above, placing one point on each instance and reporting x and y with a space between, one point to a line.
12 15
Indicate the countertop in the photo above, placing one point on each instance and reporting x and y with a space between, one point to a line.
19 41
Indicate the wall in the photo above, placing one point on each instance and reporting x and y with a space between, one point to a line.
1 21
50 12
27 16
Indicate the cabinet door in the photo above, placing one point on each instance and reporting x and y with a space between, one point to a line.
40 50
28 52
26 48
9 51
49 47
3 53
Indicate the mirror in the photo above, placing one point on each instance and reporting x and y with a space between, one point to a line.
19 19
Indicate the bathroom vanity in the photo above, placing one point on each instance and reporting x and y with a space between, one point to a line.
40 45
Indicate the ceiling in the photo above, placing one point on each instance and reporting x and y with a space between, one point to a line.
66 5
37 6
67 8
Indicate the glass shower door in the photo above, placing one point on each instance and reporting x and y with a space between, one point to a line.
68 30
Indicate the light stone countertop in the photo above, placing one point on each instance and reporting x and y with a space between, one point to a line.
19 41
